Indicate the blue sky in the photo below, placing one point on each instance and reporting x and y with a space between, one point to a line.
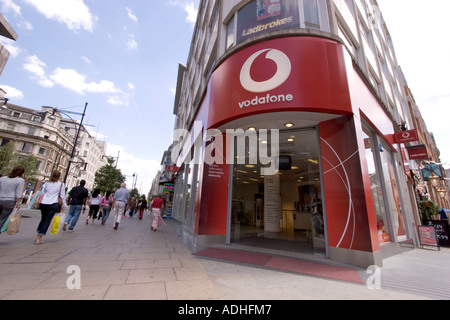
122 58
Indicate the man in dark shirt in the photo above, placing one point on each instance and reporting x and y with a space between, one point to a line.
77 199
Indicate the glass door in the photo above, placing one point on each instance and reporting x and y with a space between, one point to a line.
281 211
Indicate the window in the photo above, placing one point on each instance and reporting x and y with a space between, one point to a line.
4 142
41 150
31 131
27 147
16 114
259 17
385 188
311 12
230 33
370 143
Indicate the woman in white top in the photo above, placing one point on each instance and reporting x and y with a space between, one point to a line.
53 190
94 206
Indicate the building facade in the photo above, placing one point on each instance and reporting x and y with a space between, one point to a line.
287 117
49 136
8 32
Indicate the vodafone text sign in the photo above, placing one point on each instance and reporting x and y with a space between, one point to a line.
406 136
286 74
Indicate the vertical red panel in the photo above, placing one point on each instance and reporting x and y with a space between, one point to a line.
347 205
213 210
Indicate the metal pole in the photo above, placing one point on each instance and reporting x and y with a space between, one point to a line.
75 144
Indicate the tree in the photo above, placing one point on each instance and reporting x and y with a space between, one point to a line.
30 165
134 193
7 154
108 178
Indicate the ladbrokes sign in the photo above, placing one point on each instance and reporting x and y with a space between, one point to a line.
286 74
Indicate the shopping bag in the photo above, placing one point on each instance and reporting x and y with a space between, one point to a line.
5 226
37 202
14 223
55 224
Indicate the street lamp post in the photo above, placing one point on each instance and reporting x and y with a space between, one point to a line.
77 135
75 143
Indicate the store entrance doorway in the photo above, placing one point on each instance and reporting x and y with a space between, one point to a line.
283 211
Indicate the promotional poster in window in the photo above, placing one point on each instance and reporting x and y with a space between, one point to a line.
261 16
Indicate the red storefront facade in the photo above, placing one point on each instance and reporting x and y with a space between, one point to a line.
353 199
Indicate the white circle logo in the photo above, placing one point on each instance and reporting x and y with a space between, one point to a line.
284 69
406 135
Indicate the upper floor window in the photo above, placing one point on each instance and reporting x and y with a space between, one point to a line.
262 16
27 147
311 12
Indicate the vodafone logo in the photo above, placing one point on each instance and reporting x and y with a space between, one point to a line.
284 69
406 135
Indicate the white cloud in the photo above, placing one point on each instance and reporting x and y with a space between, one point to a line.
192 13
73 13
12 93
87 60
132 44
131 86
72 80
189 7
131 15
36 67
26 25
129 164
10 45
9 6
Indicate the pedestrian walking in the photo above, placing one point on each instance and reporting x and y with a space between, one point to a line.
106 204
131 206
11 191
156 205
52 203
94 205
77 200
120 202
142 204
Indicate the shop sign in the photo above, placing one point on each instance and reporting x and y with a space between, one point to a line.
169 187
442 231
406 136
172 169
418 152
427 236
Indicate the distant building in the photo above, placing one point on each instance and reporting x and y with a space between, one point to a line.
163 183
49 137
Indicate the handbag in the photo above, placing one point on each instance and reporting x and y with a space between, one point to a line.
14 223
56 223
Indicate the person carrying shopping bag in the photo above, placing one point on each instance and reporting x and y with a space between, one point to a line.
52 203
11 191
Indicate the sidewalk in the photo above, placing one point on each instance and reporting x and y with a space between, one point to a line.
136 263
